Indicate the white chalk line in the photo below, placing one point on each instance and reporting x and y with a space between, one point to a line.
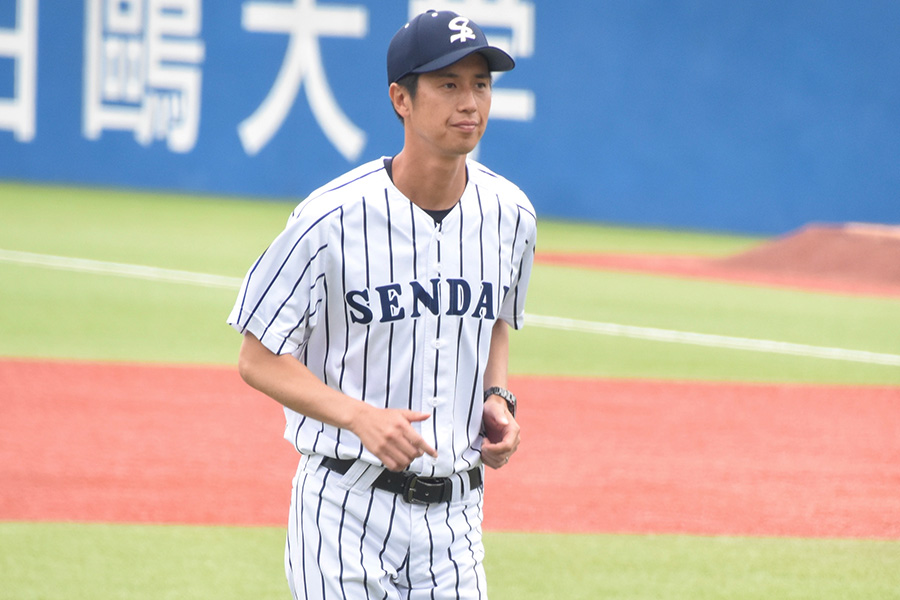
714 341
119 269
557 323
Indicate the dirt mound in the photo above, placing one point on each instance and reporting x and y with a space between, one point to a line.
852 258
851 252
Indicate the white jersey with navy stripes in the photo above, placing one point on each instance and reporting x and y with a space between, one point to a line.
390 307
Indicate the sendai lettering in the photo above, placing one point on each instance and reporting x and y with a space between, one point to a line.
394 301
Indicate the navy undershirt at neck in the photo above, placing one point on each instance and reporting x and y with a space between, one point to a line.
437 215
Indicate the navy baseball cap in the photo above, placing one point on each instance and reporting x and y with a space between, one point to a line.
437 39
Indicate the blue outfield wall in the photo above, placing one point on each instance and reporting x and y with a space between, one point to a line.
753 116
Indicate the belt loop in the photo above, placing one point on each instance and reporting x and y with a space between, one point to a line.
312 462
465 485
367 479
349 481
448 489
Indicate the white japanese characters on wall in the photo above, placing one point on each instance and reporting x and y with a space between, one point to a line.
17 113
304 22
142 70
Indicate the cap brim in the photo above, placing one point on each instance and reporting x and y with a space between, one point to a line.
497 59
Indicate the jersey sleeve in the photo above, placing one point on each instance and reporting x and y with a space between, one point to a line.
512 310
283 293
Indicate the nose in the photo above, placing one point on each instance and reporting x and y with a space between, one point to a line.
467 101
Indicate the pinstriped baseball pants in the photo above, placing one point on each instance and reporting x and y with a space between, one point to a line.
354 544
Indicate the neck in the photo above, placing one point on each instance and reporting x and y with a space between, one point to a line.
431 183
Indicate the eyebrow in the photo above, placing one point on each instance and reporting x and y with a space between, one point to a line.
453 74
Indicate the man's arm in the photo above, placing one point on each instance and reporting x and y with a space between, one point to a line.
386 433
501 429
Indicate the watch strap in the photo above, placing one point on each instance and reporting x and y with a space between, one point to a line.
511 402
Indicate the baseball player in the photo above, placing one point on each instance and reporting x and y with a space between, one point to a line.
379 318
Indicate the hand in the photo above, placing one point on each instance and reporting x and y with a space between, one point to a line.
501 433
389 435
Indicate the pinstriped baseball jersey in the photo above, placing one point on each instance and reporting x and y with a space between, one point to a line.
382 302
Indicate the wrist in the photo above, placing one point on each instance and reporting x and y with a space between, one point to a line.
355 415
504 395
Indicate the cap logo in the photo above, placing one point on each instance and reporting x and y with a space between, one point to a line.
461 24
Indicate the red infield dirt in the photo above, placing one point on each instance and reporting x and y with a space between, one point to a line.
139 443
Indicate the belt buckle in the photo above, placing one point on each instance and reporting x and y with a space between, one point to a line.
409 489
428 485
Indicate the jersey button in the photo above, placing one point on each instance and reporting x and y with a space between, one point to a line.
437 344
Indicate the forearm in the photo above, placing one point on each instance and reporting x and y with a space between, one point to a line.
291 383
387 433
496 371
500 427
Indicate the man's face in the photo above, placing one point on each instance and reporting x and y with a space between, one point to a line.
450 110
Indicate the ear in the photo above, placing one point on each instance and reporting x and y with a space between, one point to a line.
400 98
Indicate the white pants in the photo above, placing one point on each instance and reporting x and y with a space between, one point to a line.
349 541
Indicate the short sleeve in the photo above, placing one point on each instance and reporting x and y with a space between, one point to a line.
283 292
512 310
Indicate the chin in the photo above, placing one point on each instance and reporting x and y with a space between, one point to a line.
469 146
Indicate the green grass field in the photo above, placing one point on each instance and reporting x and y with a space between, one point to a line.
55 313
138 562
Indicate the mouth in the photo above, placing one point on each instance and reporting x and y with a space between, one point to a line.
467 126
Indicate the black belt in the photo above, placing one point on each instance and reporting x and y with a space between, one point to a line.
412 488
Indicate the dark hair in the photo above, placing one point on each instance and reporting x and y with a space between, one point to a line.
411 82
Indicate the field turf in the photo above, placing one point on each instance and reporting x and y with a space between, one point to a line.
62 314
141 562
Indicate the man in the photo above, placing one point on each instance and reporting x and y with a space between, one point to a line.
379 319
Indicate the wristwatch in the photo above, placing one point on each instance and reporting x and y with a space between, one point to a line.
505 394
